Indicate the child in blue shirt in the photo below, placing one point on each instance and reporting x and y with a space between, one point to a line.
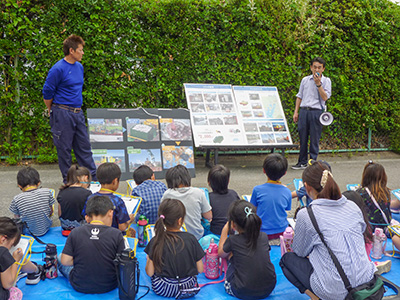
150 190
108 174
273 199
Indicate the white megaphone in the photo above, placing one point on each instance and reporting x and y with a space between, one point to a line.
326 118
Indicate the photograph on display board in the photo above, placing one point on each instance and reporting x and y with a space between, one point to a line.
142 130
105 130
254 97
268 138
210 97
265 127
230 120
215 120
253 139
225 98
178 155
200 120
116 156
279 126
197 107
250 127
175 129
196 97
148 157
282 138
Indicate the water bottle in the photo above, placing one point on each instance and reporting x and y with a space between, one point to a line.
50 268
212 261
379 243
287 240
126 273
142 236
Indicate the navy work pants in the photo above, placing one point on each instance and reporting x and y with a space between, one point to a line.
70 132
297 270
309 126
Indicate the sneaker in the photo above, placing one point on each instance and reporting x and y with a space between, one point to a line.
383 267
21 275
299 166
34 278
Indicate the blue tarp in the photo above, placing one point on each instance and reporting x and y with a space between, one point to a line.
60 288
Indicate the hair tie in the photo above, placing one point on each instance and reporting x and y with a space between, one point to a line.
248 211
162 217
324 178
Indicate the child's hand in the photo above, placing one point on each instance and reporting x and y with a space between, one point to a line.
18 254
226 227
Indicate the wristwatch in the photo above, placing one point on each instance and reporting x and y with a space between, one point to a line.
318 86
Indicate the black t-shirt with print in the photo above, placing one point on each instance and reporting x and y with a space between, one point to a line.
94 248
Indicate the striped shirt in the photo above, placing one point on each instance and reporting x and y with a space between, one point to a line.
34 207
151 192
341 222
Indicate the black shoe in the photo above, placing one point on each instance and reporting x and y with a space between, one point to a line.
299 166
34 278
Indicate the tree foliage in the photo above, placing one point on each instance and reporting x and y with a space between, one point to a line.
139 53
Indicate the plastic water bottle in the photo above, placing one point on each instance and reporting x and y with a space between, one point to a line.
50 259
142 236
379 244
212 261
126 267
287 240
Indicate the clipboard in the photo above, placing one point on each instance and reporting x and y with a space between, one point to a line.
25 244
246 197
150 231
132 203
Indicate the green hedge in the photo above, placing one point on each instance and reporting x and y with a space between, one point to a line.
139 53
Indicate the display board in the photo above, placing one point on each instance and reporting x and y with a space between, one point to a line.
229 116
159 138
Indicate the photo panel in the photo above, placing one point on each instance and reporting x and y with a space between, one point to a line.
105 130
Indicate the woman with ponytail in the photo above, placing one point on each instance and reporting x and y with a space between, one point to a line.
174 258
309 267
250 274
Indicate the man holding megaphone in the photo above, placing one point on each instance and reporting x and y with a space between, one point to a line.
314 91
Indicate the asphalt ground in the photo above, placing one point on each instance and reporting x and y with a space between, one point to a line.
246 172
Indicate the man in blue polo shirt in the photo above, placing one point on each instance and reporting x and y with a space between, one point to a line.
314 91
62 94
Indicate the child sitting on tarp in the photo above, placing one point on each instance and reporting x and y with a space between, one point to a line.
108 174
9 237
88 256
72 197
174 257
178 182
250 273
150 190
221 197
34 205
273 199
